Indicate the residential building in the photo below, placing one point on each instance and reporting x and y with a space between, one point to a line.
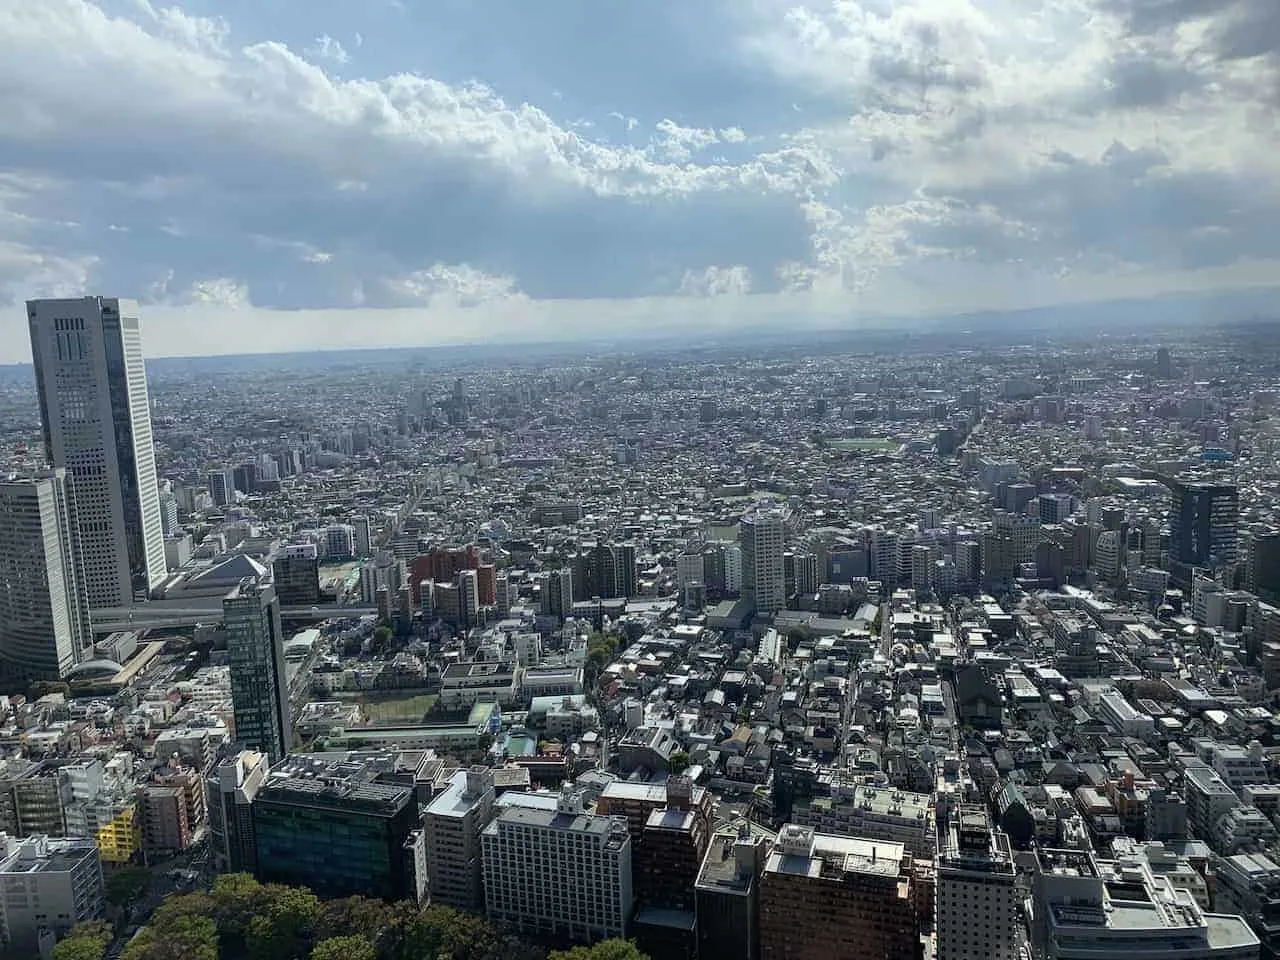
255 649
761 535
173 809
560 873
1248 884
836 898
326 822
232 787
47 886
44 608
452 825
873 813
96 412
1208 798
977 911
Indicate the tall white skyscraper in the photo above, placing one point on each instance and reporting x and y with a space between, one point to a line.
763 583
97 425
44 613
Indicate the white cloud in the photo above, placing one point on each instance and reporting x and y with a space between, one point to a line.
716 282
938 151
327 48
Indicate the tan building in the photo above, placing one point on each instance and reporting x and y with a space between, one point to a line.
452 827
173 809
836 898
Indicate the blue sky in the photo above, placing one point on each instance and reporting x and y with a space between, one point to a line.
269 174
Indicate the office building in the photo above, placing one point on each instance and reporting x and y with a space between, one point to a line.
560 873
761 535
469 596
1262 569
96 412
44 610
977 911
222 486
604 570
1080 915
255 652
296 575
727 895
47 886
232 787
1248 885
1010 543
452 826
823 897
326 822
1203 523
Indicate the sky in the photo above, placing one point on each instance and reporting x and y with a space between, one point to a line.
265 175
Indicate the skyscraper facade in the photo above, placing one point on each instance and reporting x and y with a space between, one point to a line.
763 582
96 413
259 686
44 610
1203 523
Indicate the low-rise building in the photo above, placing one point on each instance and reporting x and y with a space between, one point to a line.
47 886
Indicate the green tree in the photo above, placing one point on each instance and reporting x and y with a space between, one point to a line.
443 932
382 637
344 948
86 941
353 916
235 897
678 763
282 929
604 950
125 887
177 938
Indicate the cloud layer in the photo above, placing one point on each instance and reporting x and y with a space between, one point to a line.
556 173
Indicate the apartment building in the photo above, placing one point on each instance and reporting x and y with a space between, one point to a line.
559 872
836 898
452 826
977 911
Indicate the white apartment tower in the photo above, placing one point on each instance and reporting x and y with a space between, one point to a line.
763 583
96 412
562 873
44 610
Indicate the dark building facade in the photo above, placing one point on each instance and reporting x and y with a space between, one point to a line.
335 833
1203 523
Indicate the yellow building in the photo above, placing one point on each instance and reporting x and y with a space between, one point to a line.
120 839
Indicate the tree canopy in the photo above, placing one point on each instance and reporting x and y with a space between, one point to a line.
242 919
127 886
604 950
86 941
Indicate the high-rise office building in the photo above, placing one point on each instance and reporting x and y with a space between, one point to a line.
557 597
222 486
44 609
727 895
763 584
1203 523
1262 571
1078 913
94 405
259 686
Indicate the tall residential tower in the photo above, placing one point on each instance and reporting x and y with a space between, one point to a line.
762 534
96 413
